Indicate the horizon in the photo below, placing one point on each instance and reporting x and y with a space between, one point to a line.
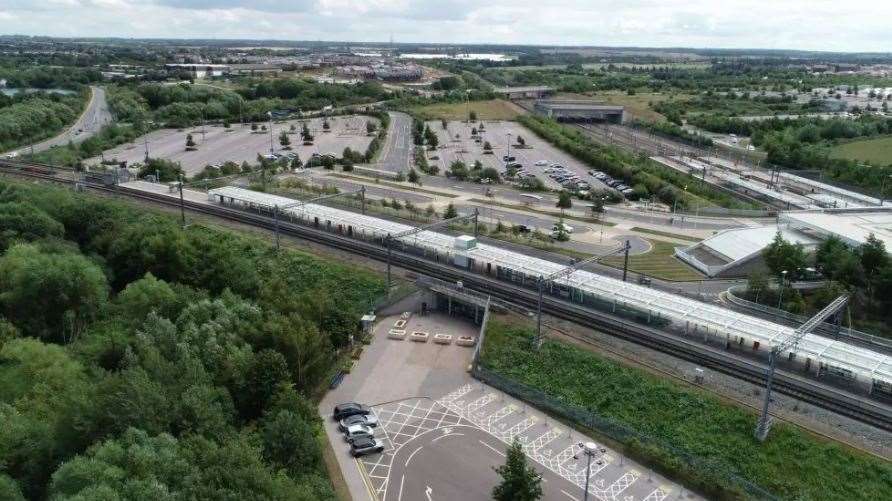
798 25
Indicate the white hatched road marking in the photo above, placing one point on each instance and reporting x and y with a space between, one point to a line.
394 424
657 495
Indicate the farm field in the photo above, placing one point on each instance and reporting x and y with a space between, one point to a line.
876 151
659 262
494 109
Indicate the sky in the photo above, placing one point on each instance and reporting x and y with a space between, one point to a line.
770 24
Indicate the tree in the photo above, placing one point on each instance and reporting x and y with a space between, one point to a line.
253 126
458 170
443 123
290 442
370 127
564 201
472 116
24 222
487 148
782 256
189 142
413 177
50 295
450 212
284 140
873 259
597 207
520 482
264 377
431 138
325 125
521 141
296 163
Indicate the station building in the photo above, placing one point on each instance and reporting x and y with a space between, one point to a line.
580 111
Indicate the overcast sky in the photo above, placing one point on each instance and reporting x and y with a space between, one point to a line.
775 24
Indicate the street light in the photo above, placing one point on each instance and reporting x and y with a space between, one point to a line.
508 156
270 114
590 449
780 297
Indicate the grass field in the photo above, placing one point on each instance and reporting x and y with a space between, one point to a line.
665 234
494 109
638 105
877 151
670 417
659 262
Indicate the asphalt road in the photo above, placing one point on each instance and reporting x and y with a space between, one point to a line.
96 115
395 156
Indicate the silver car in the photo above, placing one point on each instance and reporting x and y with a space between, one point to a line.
358 431
366 419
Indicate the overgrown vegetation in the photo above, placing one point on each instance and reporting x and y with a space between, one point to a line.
671 420
141 360
30 118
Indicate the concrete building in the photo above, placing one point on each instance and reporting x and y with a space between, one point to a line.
533 92
255 69
200 70
580 111
737 252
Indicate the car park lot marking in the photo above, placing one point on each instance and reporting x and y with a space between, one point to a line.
408 427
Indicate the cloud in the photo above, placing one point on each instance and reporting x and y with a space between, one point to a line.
791 24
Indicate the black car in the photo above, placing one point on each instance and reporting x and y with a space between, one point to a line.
366 445
348 409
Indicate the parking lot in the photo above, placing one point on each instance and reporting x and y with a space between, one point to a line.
215 145
497 133
443 432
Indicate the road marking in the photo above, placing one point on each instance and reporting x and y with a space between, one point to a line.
500 453
565 493
412 455
448 435
365 480
400 496
427 492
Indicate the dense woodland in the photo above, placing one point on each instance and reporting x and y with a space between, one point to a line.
139 360
29 118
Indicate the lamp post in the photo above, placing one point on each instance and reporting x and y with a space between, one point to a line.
508 156
590 449
270 114
780 296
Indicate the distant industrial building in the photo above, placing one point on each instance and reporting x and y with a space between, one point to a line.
580 111
382 71
534 92
255 69
200 70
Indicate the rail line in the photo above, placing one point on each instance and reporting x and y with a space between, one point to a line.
727 363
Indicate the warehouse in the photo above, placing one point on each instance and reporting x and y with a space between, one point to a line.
532 92
698 320
580 111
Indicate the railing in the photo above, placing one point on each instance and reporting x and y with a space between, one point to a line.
715 479
824 329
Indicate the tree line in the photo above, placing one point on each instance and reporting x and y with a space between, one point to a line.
198 351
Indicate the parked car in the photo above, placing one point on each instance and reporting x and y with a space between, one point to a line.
567 227
366 445
522 228
541 163
366 419
348 409
357 431
506 158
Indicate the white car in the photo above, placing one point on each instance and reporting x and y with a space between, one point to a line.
358 430
540 163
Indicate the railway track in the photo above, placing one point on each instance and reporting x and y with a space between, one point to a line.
838 401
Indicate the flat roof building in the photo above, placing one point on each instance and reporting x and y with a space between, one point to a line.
580 111
531 92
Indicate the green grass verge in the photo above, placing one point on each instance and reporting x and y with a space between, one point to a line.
665 234
659 262
791 464
876 151
493 109
541 211
393 185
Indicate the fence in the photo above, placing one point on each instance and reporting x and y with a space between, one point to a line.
825 329
712 478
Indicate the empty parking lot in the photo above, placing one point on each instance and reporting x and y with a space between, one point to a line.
216 144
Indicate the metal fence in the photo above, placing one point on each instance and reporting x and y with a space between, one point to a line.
711 477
